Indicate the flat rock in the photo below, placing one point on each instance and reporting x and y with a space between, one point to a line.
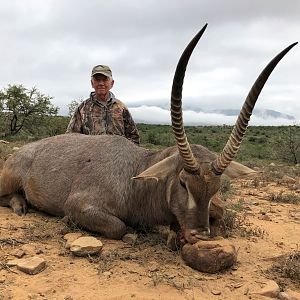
271 289
209 256
14 262
71 237
86 245
32 265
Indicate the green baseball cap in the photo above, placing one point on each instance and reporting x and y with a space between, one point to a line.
101 69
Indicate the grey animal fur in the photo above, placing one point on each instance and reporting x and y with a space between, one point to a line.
89 178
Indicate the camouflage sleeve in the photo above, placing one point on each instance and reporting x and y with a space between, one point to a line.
131 131
75 123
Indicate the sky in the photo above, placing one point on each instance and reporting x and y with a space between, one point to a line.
53 45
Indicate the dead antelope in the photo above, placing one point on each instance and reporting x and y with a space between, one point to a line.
105 183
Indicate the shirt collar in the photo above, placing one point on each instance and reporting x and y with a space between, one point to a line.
111 98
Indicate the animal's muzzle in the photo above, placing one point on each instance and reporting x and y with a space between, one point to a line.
203 234
194 235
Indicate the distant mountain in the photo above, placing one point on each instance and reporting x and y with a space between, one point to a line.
261 113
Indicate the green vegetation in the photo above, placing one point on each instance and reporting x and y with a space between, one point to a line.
237 224
288 266
226 189
27 115
259 147
23 109
285 198
261 144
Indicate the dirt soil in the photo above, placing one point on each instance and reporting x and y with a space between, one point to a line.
146 269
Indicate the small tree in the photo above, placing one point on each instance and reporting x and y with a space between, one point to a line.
293 140
73 106
23 108
288 145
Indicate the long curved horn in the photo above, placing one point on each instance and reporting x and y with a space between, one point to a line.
233 144
190 163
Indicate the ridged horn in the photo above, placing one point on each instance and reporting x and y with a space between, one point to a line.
233 144
190 163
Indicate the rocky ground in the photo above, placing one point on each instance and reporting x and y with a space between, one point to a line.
263 223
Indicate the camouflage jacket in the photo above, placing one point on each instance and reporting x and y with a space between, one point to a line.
93 117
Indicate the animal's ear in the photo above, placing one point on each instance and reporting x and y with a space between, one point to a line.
236 169
159 170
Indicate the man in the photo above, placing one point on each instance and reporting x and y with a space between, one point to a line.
102 113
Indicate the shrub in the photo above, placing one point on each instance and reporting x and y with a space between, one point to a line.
285 197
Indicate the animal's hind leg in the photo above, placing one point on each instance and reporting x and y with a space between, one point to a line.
92 219
16 202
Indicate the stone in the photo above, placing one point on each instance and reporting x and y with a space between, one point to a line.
86 245
19 253
287 179
71 237
271 289
209 256
29 249
293 294
32 265
265 218
216 292
13 262
284 296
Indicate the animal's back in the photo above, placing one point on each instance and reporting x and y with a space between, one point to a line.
49 169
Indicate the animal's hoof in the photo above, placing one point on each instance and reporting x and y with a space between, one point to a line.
18 204
209 256
173 241
20 211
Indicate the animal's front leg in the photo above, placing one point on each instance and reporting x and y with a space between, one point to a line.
92 218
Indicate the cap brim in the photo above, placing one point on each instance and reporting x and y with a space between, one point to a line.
102 73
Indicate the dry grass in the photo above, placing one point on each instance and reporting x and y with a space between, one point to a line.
288 266
237 223
282 197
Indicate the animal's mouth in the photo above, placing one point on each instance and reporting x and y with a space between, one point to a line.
192 236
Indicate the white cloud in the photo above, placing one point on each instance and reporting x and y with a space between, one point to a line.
53 45
156 115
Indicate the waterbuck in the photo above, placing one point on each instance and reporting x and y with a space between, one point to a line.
105 183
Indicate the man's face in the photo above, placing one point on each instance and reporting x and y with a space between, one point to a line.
101 84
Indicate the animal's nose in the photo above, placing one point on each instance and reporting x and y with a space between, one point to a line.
202 234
